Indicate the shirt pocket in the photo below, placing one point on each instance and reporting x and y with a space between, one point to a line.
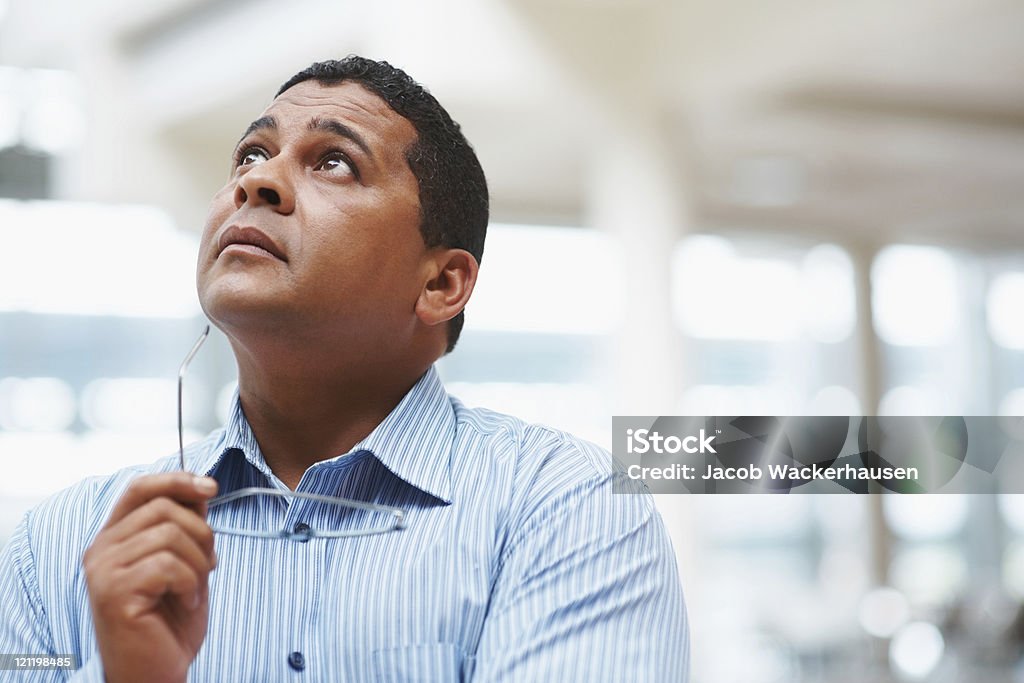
430 663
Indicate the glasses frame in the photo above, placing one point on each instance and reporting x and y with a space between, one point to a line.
397 514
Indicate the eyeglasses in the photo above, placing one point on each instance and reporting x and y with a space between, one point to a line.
395 517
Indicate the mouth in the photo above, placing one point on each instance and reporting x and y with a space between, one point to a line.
249 240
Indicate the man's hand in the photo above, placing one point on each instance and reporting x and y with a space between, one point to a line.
147 575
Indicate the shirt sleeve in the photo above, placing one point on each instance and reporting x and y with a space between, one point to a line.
24 626
588 590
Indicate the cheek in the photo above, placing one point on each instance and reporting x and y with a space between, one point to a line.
220 208
368 232
366 254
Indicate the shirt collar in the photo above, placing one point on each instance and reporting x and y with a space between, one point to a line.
414 441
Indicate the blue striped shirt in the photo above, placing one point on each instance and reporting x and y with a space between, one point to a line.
517 562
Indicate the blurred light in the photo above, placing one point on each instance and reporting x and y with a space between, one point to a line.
756 518
36 404
916 650
514 292
914 296
883 611
1005 322
1013 560
133 404
911 400
929 575
41 109
105 452
842 575
768 181
38 464
828 295
41 464
923 518
10 97
764 660
1011 414
718 295
53 120
841 517
1012 403
739 399
1012 508
834 400
89 259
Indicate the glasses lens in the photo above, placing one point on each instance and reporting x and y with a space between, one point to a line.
269 513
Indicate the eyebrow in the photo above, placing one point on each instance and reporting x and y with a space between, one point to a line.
262 123
340 129
316 124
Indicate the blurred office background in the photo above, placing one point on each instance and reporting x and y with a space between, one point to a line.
699 208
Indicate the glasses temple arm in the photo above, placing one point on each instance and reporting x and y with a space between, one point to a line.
181 379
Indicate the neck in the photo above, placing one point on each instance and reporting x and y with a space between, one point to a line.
304 406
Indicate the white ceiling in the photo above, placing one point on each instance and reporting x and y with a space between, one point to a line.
871 120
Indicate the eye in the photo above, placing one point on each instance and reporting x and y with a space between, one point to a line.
251 156
337 164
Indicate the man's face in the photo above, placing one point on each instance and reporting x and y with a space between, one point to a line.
318 226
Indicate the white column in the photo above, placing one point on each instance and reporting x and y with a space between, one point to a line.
635 194
872 381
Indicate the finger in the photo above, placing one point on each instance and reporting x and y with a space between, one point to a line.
157 512
165 537
156 576
183 487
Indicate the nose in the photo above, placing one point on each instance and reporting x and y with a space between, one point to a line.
266 184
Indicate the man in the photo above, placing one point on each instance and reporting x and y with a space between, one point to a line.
337 260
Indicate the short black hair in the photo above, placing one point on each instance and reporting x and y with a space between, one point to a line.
452 188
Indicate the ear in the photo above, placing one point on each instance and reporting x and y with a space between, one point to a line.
451 276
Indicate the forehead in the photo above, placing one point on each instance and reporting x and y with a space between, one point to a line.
349 102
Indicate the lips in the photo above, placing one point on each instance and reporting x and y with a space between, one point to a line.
251 237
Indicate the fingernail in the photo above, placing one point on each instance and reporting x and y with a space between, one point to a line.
195 600
205 485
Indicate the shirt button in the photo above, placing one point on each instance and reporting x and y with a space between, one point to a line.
302 533
297 661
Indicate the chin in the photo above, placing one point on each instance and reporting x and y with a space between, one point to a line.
240 308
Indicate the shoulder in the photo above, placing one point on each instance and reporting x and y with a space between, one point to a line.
544 472
510 436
